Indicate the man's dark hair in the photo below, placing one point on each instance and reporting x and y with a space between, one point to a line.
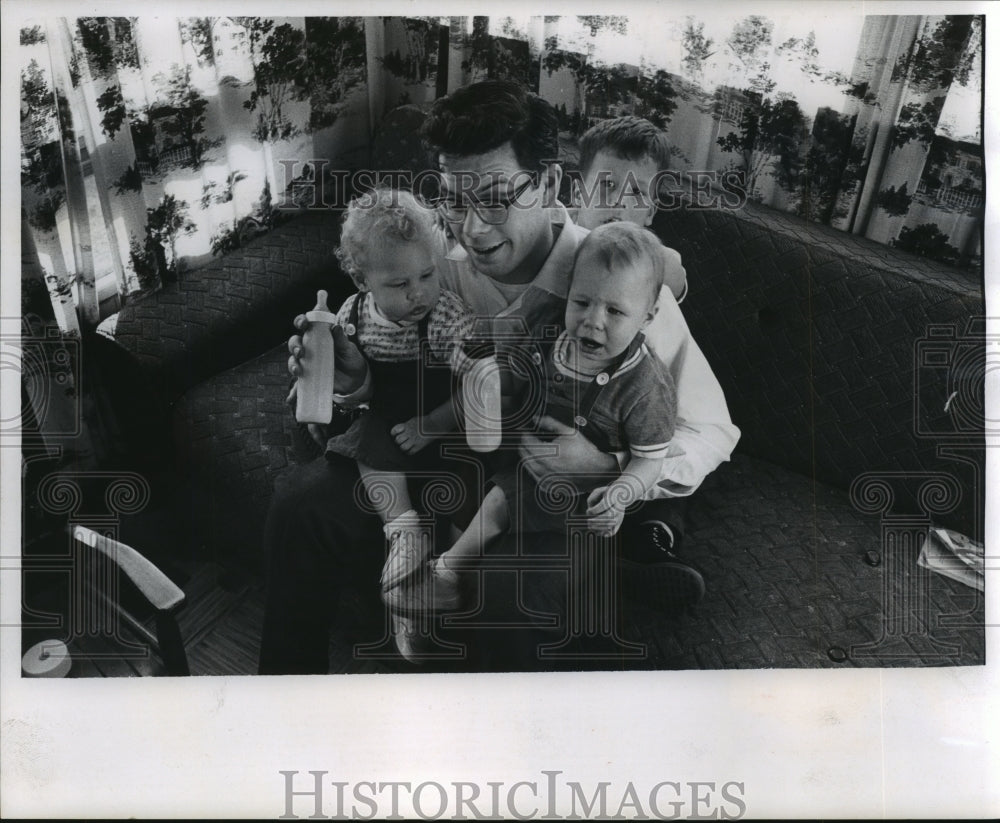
628 137
483 116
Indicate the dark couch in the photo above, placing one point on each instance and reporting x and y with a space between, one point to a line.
817 339
820 341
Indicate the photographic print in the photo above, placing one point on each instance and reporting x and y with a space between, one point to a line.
559 345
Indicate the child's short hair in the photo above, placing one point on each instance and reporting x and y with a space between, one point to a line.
380 214
628 137
620 244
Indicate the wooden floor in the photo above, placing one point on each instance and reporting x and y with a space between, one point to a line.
219 622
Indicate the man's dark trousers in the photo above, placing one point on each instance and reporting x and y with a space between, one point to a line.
321 541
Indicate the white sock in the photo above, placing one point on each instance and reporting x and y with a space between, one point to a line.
408 520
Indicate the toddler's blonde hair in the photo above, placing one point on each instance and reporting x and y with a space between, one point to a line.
380 214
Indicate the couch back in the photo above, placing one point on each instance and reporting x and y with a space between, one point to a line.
837 355
237 306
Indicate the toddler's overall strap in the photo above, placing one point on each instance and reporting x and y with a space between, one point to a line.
422 327
354 319
601 380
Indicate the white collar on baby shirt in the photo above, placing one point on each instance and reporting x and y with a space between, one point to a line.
382 320
567 365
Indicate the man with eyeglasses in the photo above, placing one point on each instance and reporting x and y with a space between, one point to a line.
511 263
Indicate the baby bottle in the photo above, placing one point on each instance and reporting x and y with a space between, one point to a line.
314 388
481 398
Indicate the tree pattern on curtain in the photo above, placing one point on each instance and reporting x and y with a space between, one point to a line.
873 129
151 144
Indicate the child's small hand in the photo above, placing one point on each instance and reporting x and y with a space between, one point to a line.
605 514
409 435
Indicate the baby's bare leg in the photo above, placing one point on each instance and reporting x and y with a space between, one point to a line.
387 492
491 521
441 590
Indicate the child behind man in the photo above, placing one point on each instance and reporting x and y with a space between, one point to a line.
599 376
620 159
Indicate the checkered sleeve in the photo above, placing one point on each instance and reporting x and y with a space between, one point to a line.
451 324
344 312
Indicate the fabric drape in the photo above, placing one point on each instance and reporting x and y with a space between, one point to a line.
151 144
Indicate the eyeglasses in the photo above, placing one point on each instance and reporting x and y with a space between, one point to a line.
494 213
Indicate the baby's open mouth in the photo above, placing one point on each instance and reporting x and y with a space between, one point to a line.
589 345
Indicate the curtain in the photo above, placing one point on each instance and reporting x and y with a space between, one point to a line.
869 124
151 144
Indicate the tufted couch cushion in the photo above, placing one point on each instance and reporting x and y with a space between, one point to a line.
815 336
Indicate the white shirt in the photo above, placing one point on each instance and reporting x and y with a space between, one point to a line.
705 435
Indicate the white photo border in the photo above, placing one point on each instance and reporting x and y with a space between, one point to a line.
804 743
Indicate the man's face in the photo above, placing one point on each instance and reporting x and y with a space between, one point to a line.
606 308
616 189
512 250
